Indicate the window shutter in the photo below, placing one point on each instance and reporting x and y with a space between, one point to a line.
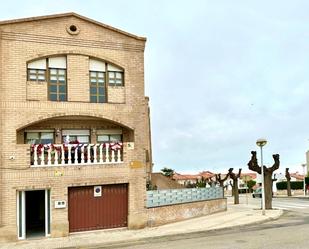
109 132
46 131
95 65
75 132
57 62
113 68
38 64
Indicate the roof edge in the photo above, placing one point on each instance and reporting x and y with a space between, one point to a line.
37 18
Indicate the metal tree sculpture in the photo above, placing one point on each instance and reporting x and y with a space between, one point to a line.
235 177
268 182
288 182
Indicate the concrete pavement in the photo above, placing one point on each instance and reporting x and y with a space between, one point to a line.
236 215
304 197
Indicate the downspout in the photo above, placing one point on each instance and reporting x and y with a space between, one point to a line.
149 136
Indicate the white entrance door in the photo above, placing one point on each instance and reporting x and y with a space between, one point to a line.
22 217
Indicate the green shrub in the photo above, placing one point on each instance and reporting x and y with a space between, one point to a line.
281 185
307 180
251 184
294 185
200 184
168 172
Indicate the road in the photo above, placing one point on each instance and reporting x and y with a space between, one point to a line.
291 204
290 231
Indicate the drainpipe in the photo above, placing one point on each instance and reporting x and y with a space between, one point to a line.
149 135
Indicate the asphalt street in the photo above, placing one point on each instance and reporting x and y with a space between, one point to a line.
290 231
292 204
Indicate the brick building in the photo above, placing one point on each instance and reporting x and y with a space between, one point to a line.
74 127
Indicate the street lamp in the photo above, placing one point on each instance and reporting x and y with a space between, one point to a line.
261 142
304 168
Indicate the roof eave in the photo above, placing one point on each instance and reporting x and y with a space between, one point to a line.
37 18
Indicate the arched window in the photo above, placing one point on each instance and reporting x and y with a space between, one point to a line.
53 71
36 70
115 75
102 74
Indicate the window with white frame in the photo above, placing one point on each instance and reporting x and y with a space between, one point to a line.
107 136
75 136
39 137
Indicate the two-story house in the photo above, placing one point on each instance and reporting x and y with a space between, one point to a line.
74 127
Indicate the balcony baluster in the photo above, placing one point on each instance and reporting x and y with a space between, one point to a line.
35 157
75 154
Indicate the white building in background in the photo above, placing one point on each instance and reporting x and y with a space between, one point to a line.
281 178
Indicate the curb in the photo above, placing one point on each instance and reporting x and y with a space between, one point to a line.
291 197
301 197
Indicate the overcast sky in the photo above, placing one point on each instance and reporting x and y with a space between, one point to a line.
219 74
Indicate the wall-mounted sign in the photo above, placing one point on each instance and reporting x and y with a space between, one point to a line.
60 204
97 191
136 164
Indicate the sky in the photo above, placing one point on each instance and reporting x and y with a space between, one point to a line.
219 74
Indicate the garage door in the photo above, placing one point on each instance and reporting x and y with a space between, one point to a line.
90 209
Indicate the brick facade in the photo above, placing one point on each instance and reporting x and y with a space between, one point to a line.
24 105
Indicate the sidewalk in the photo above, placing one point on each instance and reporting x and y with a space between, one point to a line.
236 215
304 197
293 196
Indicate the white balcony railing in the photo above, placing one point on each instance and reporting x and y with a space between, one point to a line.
75 154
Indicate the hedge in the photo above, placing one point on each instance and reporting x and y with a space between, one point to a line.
294 185
307 180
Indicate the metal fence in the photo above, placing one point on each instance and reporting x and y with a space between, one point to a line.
156 198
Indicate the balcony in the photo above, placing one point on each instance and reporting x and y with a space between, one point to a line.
75 154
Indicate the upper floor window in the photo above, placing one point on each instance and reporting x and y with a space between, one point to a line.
57 83
36 70
75 136
106 136
53 70
102 74
97 81
115 76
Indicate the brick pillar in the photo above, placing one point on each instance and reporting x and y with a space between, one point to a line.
78 78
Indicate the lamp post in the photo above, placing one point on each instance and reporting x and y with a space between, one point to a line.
261 142
304 171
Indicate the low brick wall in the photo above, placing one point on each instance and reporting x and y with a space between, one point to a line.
177 212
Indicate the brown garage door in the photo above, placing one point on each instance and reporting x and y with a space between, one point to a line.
87 212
